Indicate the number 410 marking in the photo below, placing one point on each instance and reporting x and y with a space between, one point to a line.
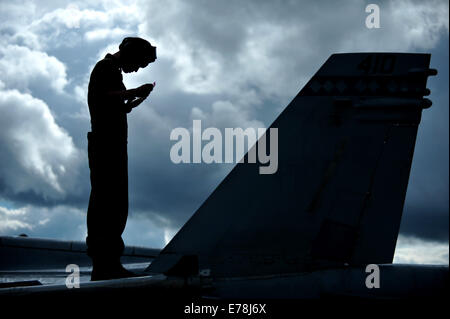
377 63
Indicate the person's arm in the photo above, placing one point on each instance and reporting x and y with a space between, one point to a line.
130 104
142 91
123 94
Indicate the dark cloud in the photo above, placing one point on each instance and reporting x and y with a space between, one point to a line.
429 223
427 201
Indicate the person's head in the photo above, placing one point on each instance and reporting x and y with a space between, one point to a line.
136 53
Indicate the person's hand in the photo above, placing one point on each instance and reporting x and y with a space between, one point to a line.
144 90
131 104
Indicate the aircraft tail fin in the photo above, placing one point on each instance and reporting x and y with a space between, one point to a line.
345 146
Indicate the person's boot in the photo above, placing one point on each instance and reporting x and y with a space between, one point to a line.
104 270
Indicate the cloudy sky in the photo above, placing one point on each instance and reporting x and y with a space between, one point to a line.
229 63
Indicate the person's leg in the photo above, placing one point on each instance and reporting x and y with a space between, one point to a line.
107 211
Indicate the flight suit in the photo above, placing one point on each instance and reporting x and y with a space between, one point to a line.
108 162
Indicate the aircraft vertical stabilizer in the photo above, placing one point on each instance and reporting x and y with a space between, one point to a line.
345 146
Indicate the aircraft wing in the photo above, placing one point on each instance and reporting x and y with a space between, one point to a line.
34 261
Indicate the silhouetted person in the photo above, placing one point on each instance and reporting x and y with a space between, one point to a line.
109 102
